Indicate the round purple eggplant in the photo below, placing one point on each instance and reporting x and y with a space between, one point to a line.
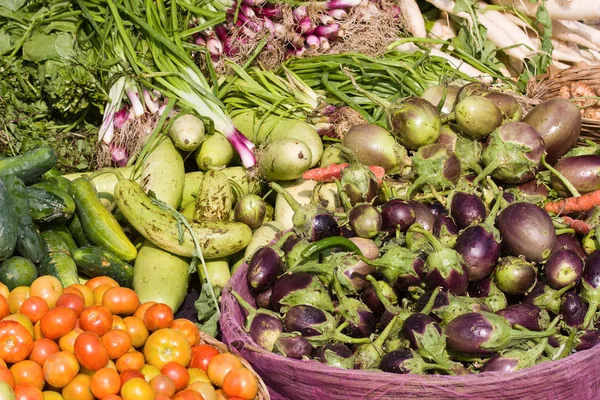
436 166
437 209
423 215
508 105
589 339
590 286
335 355
477 116
583 172
526 315
425 336
527 230
562 268
292 345
365 220
467 209
559 123
480 250
263 326
573 309
514 360
545 297
532 192
512 153
570 242
414 122
370 298
487 290
447 306
263 299
368 355
515 275
299 289
397 214
359 319
406 361
446 230
483 334
265 265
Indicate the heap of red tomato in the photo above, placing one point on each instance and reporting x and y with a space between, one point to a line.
95 341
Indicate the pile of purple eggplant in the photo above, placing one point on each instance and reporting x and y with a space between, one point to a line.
452 268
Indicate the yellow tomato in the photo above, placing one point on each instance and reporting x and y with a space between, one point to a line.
166 345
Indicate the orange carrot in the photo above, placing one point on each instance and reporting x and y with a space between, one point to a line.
570 205
334 171
578 225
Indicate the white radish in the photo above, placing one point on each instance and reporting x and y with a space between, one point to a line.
442 30
565 52
585 31
558 9
561 32
501 39
413 17
448 6
512 30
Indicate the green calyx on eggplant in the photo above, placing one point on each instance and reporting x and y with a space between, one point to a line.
545 297
399 266
487 291
448 306
295 249
483 334
527 230
426 337
374 145
358 316
312 221
335 355
407 361
263 326
446 230
512 154
444 266
365 220
436 166
293 289
583 172
508 104
514 275
266 264
367 356
468 151
317 326
477 116
590 287
559 123
371 299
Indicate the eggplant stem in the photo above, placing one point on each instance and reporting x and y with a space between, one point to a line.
494 211
450 117
568 345
293 203
559 293
431 302
247 306
282 240
486 172
421 180
378 343
436 195
437 245
343 196
387 304
561 177
591 312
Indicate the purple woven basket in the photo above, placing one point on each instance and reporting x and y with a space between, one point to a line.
576 377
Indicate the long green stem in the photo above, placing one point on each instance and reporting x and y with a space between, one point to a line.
561 177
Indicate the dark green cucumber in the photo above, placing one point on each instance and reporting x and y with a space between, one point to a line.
58 191
9 225
29 241
99 225
58 260
46 206
95 261
17 271
77 232
65 233
29 166
60 181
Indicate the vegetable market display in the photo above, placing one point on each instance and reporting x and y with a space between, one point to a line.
340 191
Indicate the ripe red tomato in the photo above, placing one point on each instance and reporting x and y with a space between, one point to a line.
42 349
242 383
16 342
72 301
178 373
130 360
89 351
97 319
158 316
189 329
34 308
116 342
201 356
129 374
188 394
60 369
105 382
7 376
121 301
27 371
28 391
164 385
220 366
57 322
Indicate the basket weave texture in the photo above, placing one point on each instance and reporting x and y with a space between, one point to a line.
549 85
576 377
263 392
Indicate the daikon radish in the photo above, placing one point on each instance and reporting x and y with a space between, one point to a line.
558 9
413 18
585 31
562 32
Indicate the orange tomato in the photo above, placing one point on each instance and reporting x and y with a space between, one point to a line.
131 360
141 310
78 388
4 309
2 364
23 320
57 322
88 294
113 397
167 345
178 373
34 308
16 298
96 319
16 342
89 351
67 342
138 331
161 397
149 372
4 290
137 389
198 375
60 369
101 280
220 365
201 356
7 376
42 349
189 329
72 301
37 332
99 293
72 289
118 323
28 391
105 382
48 288
28 371
164 385
116 342
130 374
158 316
206 390
188 394
242 383
120 300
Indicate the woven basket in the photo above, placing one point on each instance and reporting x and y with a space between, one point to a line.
263 392
548 86
574 377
